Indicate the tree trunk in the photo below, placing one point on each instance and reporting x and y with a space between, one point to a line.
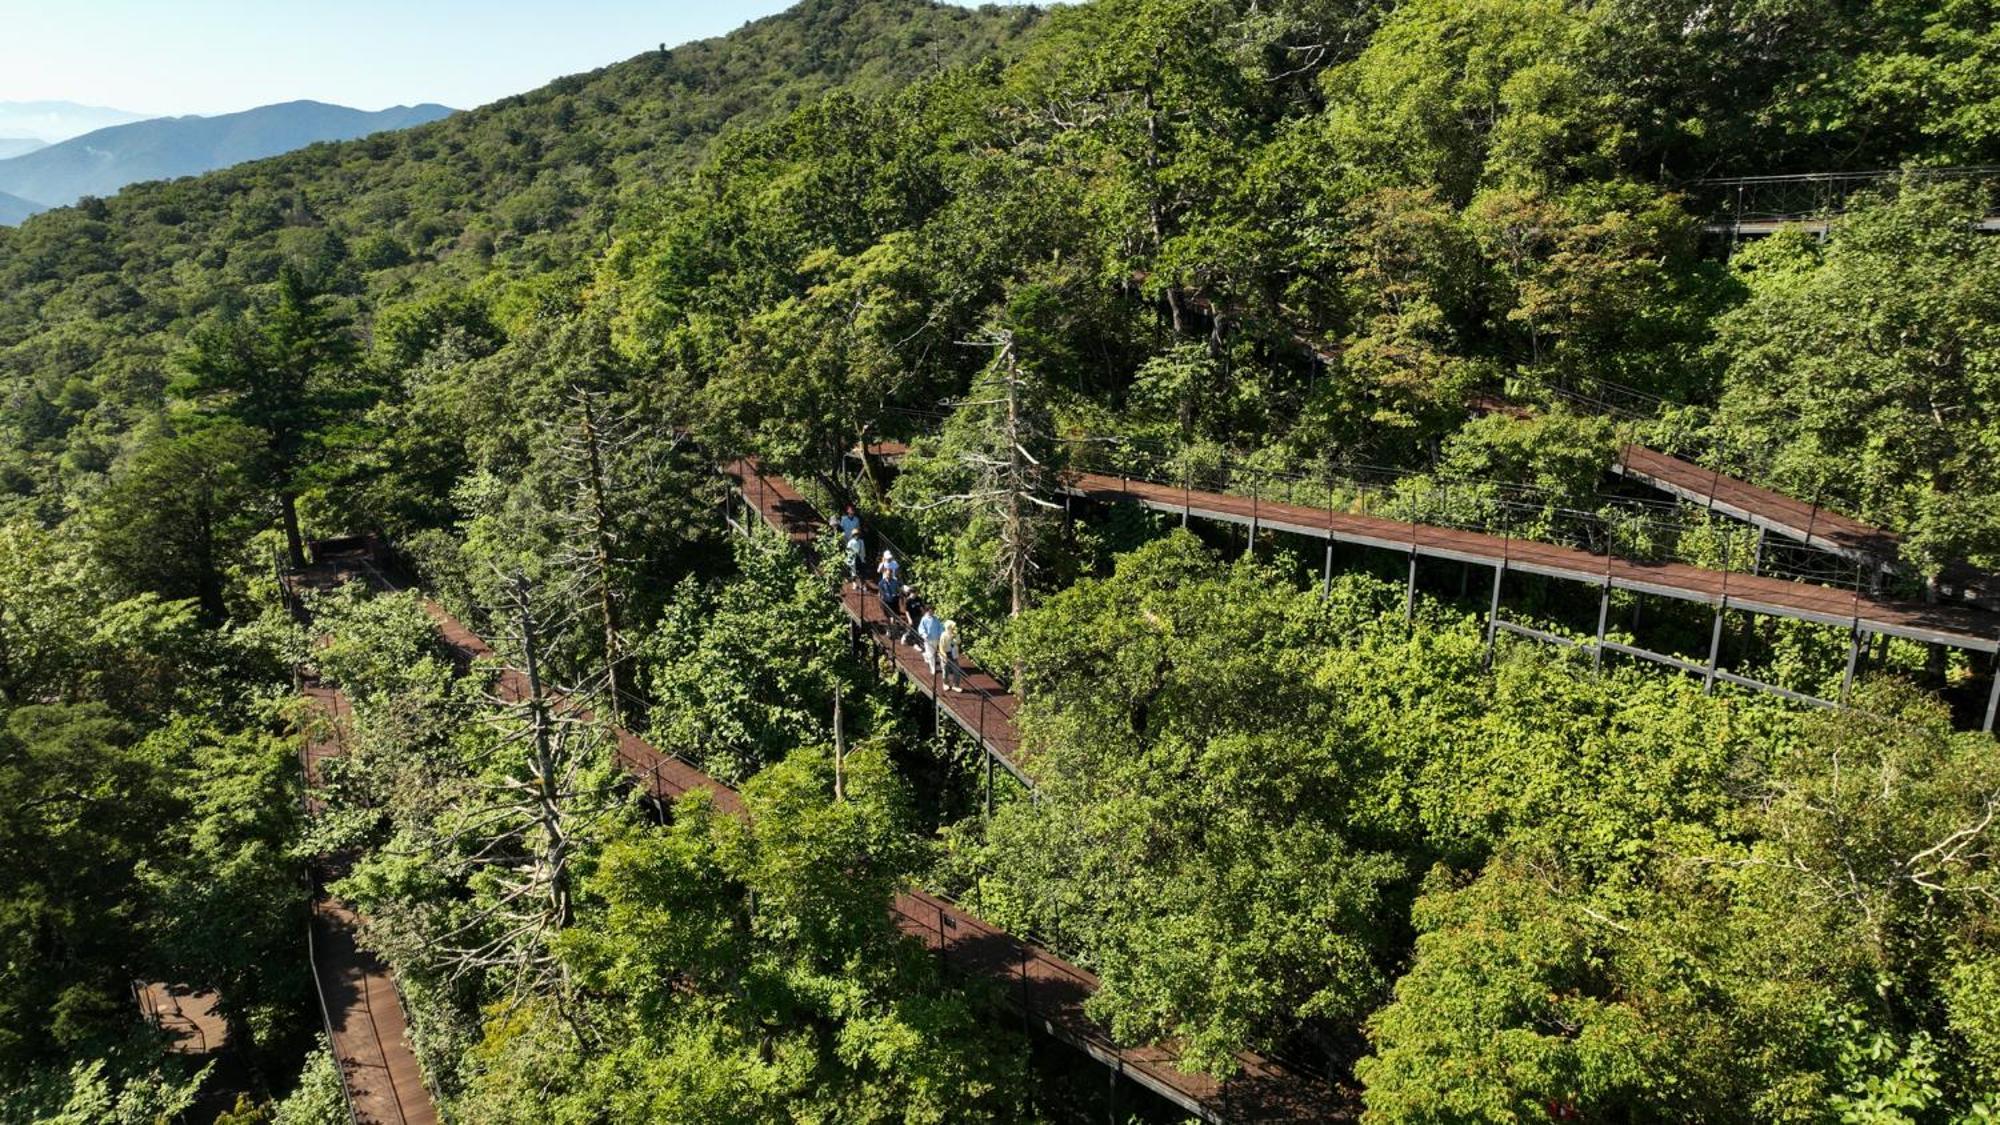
602 542
555 846
295 546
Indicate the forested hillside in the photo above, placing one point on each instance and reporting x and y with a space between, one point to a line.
95 299
1438 261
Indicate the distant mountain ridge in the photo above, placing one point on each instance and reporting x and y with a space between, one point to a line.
101 162
20 146
52 121
14 209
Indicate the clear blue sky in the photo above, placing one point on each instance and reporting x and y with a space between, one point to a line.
217 56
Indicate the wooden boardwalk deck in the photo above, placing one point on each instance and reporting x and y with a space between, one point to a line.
1935 624
365 1021
1773 511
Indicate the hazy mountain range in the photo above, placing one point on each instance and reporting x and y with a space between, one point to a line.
101 162
50 122
16 146
13 209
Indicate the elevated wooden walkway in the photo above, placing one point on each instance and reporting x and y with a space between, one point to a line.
985 709
1819 225
1933 624
1048 991
1795 519
366 1026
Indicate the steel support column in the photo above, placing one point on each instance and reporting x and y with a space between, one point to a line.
1714 647
1603 619
1853 657
1410 592
1493 610
1992 697
1326 583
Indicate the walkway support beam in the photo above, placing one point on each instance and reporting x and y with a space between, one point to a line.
1992 697
1493 609
1410 592
1853 657
1603 619
1714 647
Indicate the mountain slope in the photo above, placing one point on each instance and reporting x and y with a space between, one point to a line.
11 147
101 162
14 209
95 298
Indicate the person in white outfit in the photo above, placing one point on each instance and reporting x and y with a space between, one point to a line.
954 676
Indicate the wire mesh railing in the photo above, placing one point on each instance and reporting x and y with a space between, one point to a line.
1808 195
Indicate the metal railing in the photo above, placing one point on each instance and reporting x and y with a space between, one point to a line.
1809 195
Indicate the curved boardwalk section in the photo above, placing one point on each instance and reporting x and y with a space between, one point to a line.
1048 991
1775 512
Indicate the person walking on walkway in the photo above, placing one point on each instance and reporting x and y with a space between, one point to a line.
954 676
857 557
850 524
913 612
891 592
930 630
888 568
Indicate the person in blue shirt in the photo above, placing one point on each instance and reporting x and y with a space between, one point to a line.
857 557
849 522
890 590
889 567
930 629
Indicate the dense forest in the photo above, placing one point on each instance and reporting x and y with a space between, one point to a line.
1437 259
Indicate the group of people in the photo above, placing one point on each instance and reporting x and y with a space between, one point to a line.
911 621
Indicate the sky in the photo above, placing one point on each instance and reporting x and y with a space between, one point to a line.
162 57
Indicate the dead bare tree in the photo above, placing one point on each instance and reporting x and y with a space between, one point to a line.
534 804
598 451
1007 479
